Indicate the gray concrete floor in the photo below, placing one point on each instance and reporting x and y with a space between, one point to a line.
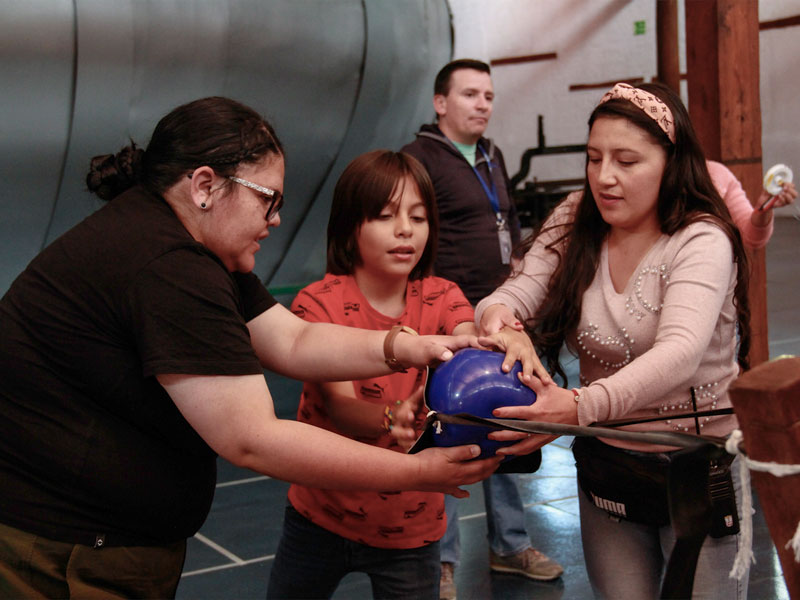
232 554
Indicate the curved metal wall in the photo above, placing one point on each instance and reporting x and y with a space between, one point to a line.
36 102
335 77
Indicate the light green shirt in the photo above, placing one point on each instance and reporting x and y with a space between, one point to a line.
468 150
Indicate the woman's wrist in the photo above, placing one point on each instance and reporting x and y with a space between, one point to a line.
761 218
578 397
388 347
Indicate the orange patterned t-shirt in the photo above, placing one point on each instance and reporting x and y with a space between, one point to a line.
387 518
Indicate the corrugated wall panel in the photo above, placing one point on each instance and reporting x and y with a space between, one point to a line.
335 77
36 71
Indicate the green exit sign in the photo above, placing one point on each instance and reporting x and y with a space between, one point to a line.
639 27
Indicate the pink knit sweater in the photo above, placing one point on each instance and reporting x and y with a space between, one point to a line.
642 350
738 205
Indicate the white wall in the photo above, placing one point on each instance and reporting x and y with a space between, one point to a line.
595 42
780 86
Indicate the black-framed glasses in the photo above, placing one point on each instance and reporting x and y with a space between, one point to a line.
274 197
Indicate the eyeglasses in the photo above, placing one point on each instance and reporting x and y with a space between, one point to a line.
274 198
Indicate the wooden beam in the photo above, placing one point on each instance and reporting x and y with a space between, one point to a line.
723 84
669 70
702 73
780 23
514 60
765 402
604 85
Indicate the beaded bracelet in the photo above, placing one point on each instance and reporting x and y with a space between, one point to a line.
388 416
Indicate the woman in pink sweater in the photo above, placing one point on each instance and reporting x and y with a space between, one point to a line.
644 276
754 222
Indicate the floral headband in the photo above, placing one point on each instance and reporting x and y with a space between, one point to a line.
650 104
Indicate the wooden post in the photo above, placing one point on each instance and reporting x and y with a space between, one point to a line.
766 403
722 63
669 69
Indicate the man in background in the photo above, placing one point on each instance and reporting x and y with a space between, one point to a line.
478 227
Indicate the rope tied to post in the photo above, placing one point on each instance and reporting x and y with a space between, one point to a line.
745 555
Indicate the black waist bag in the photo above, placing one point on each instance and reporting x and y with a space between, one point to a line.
622 484
634 486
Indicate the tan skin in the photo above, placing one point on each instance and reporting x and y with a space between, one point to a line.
235 414
464 113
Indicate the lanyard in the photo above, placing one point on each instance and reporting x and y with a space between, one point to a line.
494 199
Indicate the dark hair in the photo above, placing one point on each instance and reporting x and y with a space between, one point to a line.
216 132
364 189
686 195
441 85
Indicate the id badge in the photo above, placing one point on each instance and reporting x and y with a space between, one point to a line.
504 237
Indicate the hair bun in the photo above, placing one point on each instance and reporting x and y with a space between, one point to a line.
111 174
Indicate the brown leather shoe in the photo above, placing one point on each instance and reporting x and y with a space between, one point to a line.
530 563
447 585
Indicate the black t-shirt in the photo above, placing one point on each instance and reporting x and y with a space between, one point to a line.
90 444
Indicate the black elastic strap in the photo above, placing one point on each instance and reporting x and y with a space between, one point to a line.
690 513
671 417
665 438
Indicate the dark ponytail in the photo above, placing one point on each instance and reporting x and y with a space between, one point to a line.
111 174
216 132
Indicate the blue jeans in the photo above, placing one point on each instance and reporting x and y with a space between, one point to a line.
311 561
627 560
505 519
